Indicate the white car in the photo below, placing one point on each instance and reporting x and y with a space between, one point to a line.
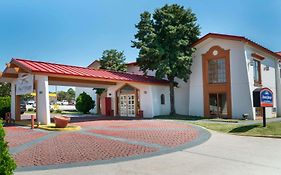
64 102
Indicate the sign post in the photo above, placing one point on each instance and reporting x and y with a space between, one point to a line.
263 97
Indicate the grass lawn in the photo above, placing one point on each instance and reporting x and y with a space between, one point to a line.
272 129
230 126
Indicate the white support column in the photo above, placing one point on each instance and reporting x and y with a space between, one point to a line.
13 100
42 104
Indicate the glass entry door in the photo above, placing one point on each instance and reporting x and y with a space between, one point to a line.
127 105
218 104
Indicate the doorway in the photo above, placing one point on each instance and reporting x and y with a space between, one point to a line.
218 105
127 101
127 105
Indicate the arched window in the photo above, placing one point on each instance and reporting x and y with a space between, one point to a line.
162 99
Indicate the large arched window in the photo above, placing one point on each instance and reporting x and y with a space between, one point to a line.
162 99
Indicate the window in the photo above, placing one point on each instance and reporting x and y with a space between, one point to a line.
216 71
257 72
162 99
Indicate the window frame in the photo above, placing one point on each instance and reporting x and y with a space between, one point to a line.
162 99
217 71
259 81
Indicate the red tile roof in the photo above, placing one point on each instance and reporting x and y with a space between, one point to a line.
279 53
66 70
237 38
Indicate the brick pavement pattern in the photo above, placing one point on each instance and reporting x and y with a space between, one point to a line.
74 148
170 138
97 141
16 136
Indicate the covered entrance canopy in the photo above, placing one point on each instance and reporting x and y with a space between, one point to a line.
44 74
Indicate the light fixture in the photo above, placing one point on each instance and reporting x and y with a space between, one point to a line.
266 68
251 63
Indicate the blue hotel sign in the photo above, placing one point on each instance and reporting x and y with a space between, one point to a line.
263 97
266 98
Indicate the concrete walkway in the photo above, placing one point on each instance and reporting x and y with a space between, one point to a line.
220 155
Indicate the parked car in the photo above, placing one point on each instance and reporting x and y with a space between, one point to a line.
64 102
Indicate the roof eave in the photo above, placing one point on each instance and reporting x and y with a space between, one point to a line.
236 38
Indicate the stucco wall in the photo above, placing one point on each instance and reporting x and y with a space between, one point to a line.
268 77
278 88
158 108
146 102
181 95
239 82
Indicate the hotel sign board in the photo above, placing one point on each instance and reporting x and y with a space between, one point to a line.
24 84
263 97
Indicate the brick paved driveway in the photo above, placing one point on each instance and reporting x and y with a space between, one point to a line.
98 142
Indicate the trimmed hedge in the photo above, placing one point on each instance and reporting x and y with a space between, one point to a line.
84 103
5 106
7 164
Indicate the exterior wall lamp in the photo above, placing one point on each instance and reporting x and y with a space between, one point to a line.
251 63
266 68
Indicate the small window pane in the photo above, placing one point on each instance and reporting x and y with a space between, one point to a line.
256 68
216 71
162 99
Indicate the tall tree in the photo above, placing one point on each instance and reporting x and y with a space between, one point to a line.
70 95
164 40
113 60
110 60
5 89
61 95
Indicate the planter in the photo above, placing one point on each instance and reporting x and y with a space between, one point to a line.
61 121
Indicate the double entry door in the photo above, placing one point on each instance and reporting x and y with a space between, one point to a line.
127 105
218 104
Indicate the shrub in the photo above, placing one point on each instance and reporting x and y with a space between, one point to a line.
30 110
7 164
84 103
52 110
5 106
58 111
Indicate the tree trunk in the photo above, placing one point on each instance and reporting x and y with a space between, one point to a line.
172 96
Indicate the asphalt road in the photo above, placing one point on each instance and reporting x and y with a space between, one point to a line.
222 154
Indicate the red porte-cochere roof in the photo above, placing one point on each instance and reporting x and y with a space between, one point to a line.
67 70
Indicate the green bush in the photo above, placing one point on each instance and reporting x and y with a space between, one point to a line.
30 110
52 110
7 164
5 106
84 103
58 111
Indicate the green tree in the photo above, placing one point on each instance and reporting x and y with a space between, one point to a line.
7 164
113 60
61 95
70 95
5 106
5 89
165 40
84 103
27 97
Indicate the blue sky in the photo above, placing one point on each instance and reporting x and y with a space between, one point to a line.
76 32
